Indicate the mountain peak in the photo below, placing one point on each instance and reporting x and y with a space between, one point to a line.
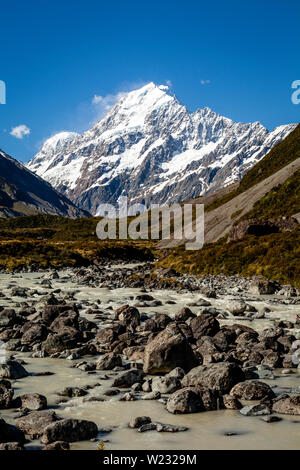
149 148
58 140
133 108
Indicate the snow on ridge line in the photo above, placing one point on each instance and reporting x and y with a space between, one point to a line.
149 140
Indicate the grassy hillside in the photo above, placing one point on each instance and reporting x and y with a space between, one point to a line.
54 241
281 155
283 200
275 256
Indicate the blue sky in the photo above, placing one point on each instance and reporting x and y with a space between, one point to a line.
238 57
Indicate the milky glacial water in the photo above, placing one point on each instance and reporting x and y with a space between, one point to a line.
206 430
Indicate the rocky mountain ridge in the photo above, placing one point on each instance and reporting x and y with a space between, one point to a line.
149 148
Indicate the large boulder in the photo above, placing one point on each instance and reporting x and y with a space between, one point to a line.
191 400
65 319
35 333
107 335
162 320
67 338
12 370
57 445
260 227
165 384
206 346
109 361
220 377
169 349
252 390
32 401
34 423
134 353
262 287
51 312
69 430
184 314
204 325
128 317
12 446
8 317
236 307
128 378
185 400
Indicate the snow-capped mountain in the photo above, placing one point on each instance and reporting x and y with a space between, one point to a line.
149 148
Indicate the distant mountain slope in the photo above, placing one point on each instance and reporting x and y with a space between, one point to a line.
270 189
281 155
274 195
151 149
24 193
282 201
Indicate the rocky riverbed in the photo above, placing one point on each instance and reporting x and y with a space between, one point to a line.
124 357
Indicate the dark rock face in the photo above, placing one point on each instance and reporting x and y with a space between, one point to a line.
204 325
162 320
35 423
72 392
261 227
252 390
220 377
287 405
69 430
33 194
169 349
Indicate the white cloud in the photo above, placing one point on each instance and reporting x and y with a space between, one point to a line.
102 104
169 83
205 82
97 99
20 131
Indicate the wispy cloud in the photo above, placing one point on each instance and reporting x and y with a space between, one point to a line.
93 110
102 104
205 82
169 83
20 131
